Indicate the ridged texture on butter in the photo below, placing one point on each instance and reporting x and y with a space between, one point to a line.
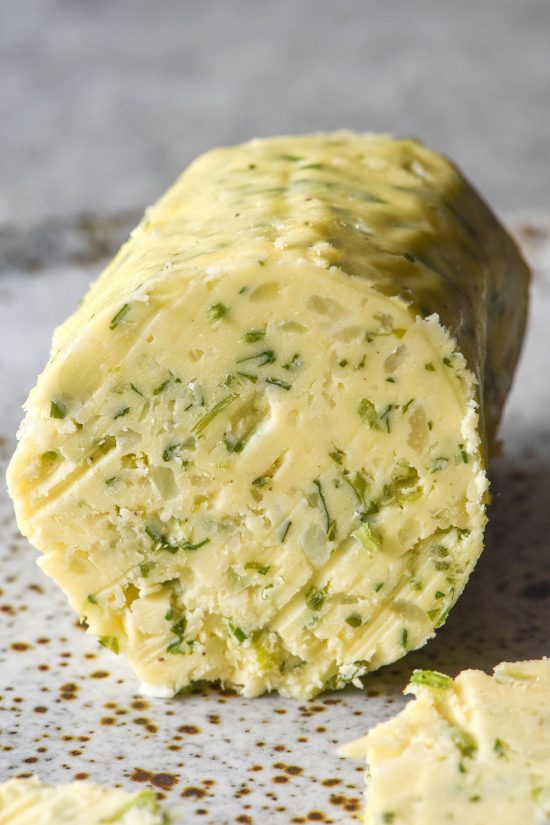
469 751
256 454
29 802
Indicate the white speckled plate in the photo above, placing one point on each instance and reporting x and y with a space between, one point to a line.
69 709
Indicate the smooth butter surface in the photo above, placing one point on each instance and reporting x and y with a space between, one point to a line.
467 751
254 454
29 802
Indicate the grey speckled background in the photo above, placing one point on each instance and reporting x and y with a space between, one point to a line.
101 104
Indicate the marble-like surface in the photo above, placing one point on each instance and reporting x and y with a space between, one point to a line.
70 709
103 103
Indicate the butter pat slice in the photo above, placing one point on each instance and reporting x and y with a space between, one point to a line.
257 453
469 751
29 802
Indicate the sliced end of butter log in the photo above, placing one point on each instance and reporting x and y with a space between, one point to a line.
28 802
257 453
470 750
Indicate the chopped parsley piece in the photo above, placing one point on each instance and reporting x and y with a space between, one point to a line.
378 587
121 413
439 464
337 455
261 481
330 524
188 546
354 620
217 311
256 567
499 748
447 362
404 638
294 362
203 423
463 453
278 383
369 541
178 629
390 380
315 598
358 484
431 678
161 387
429 367
286 528
367 413
464 741
249 377
439 594
57 410
120 316
50 456
91 598
110 642
385 416
343 362
407 405
145 568
238 633
263 358
232 444
388 817
169 453
253 335
135 389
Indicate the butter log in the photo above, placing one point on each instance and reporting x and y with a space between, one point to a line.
473 750
257 453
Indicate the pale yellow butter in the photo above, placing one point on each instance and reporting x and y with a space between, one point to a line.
257 453
467 751
30 802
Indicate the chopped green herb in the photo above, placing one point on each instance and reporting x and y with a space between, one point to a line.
249 377
261 481
169 453
253 335
462 532
378 587
57 410
447 362
135 389
284 533
203 423
120 316
431 678
238 633
160 541
217 311
343 363
404 638
439 464
430 425
390 380
50 456
232 444
429 366
354 620
91 598
337 455
110 642
121 413
161 387
499 748
385 416
145 568
263 358
256 567
315 598
178 629
367 413
433 614
358 484
361 363
294 362
443 618
145 800
463 453
464 741
407 405
278 383
388 817
439 594
369 541
188 546
330 525
260 262
291 158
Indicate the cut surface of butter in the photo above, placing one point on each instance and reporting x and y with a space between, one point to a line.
467 751
30 802
257 453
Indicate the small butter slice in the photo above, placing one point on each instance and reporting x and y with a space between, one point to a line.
29 802
472 750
